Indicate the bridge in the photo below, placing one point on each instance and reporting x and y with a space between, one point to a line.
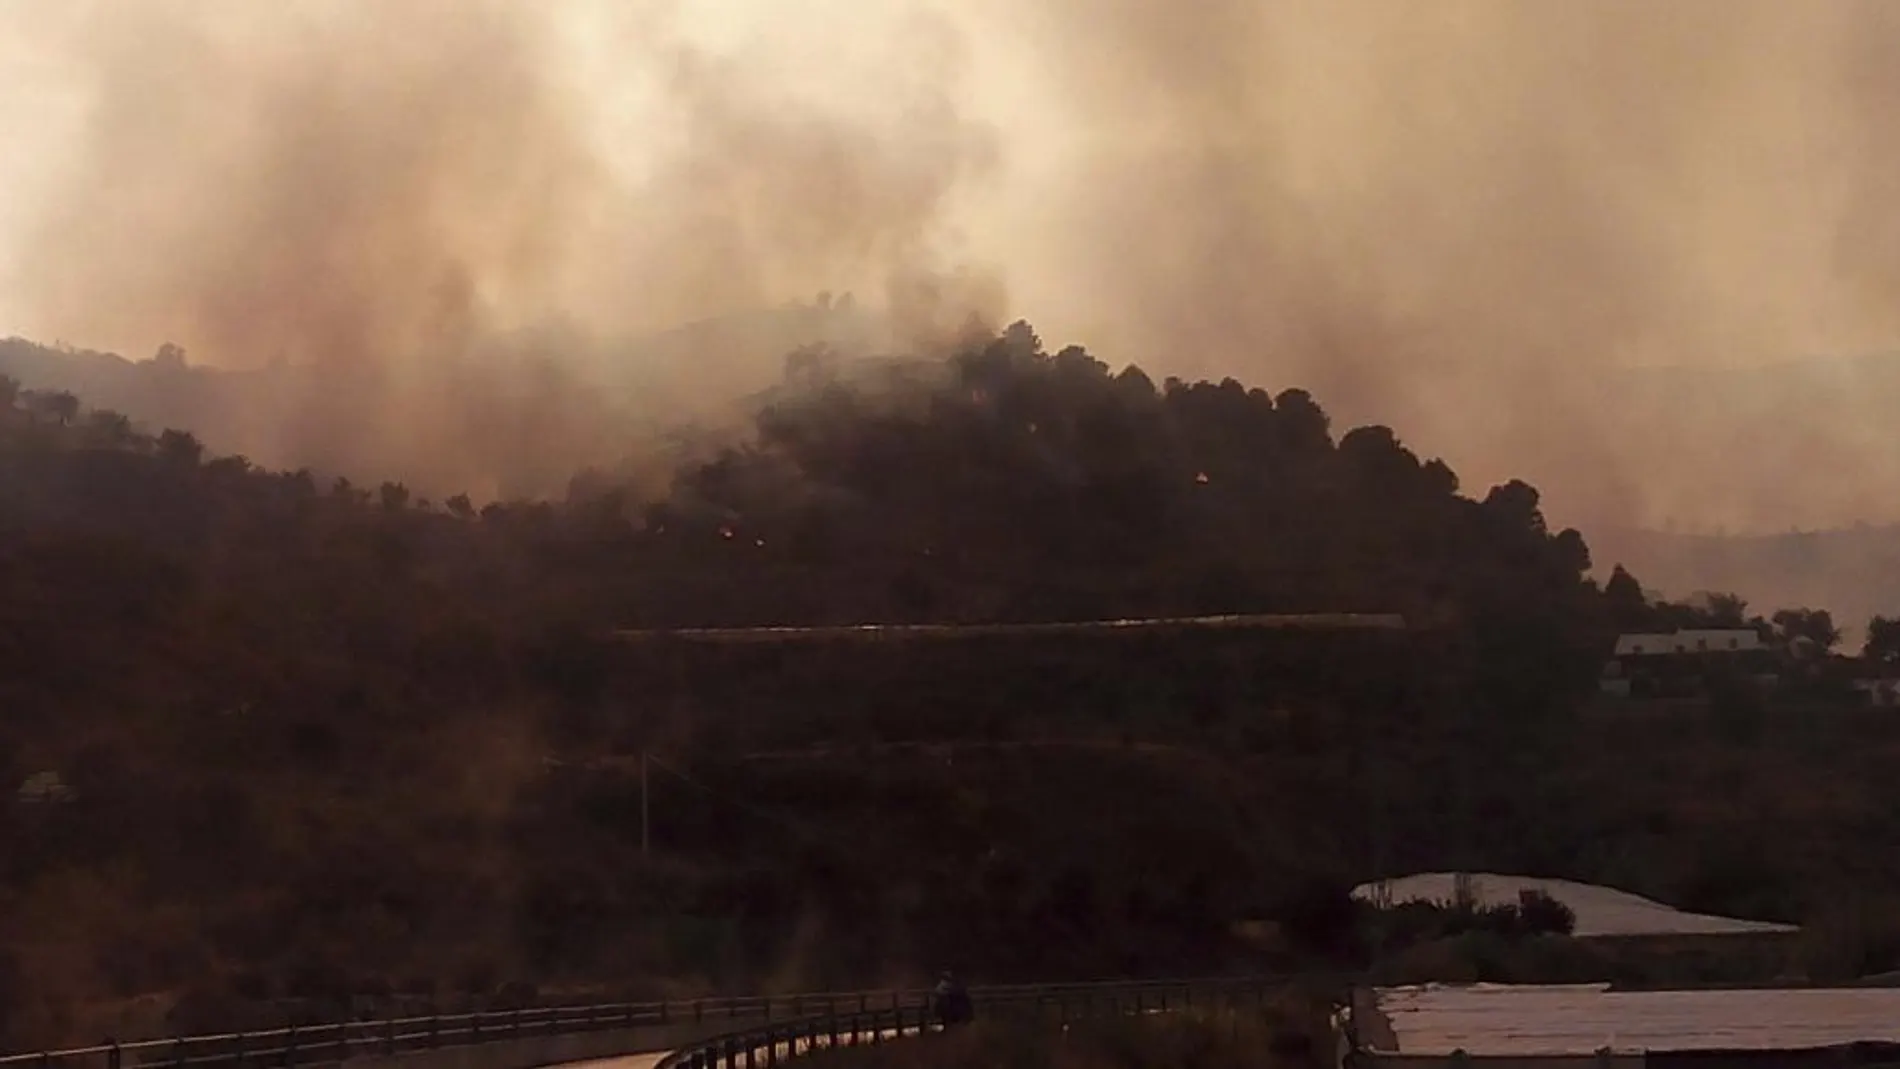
745 1032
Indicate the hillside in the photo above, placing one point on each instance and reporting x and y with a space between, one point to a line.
503 419
313 741
522 425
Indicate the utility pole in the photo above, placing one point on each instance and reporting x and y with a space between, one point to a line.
646 827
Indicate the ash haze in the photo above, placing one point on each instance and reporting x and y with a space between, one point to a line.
1478 221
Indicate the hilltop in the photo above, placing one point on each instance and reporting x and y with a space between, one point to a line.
538 405
513 415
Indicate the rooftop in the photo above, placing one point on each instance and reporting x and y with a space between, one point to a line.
1494 1019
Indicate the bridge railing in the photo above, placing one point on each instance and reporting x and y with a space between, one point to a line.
333 1043
763 1046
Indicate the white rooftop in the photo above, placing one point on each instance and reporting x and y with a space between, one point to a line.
1600 910
1493 1019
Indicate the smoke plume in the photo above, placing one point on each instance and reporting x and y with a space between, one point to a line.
1484 222
1473 219
386 194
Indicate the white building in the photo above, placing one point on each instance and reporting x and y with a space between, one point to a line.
1708 640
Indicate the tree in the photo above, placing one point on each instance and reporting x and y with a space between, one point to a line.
460 507
1883 641
1628 606
181 448
301 484
1727 610
1545 914
394 496
1807 627
233 468
58 405
1517 504
170 357
1303 425
110 430
9 392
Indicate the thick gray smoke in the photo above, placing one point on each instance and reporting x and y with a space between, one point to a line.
385 193
1465 218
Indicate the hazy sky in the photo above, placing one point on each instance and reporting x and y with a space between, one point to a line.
1455 216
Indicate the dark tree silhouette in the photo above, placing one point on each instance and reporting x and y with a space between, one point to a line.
1883 641
1813 628
1628 606
180 447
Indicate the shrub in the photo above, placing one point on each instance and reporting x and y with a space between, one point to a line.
1544 914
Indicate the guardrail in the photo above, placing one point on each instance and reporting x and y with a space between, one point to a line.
342 1041
769 1044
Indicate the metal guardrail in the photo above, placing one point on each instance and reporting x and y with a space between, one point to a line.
769 1044
337 1042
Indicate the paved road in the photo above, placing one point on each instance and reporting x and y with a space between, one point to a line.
648 1061
631 1061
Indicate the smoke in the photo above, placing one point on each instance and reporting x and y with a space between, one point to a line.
1468 219
389 193
1478 221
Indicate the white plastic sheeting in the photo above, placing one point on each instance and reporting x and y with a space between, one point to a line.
1491 1019
1599 910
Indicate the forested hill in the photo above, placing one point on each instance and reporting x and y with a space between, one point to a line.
511 414
306 729
1005 483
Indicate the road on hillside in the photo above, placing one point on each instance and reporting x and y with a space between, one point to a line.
629 1061
787 1050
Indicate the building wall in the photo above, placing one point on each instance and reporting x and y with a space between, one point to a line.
1724 640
